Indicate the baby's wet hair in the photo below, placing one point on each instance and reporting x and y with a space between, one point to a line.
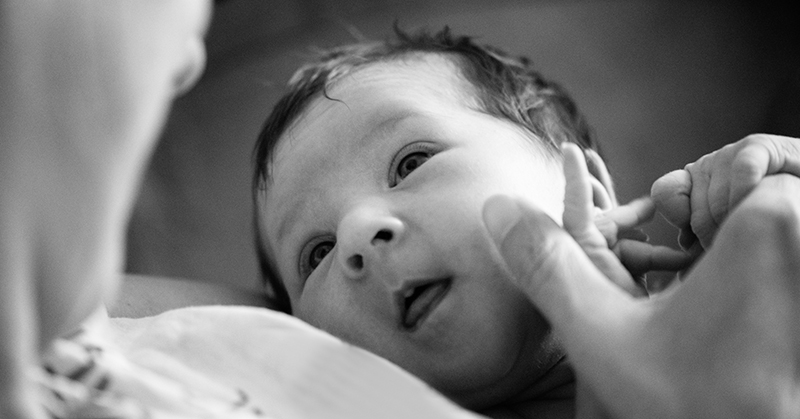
505 86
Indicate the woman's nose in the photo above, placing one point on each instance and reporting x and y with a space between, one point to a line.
365 234
192 67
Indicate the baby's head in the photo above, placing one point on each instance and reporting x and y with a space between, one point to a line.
371 175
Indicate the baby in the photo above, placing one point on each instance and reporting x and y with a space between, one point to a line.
371 176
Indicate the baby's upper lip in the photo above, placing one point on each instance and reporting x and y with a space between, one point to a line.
417 298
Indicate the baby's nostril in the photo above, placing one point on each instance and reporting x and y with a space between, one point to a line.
356 262
384 235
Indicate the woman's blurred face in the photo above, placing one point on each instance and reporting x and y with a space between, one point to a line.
109 70
147 52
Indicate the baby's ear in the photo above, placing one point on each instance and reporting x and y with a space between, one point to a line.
602 185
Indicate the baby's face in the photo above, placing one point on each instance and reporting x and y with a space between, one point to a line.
374 222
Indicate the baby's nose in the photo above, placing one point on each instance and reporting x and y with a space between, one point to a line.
365 235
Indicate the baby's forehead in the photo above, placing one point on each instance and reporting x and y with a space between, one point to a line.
386 83
445 65
421 74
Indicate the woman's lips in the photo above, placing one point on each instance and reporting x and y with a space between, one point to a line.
419 299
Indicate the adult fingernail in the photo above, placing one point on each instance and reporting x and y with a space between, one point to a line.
500 214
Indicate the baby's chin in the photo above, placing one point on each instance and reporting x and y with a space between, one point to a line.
552 395
557 383
553 384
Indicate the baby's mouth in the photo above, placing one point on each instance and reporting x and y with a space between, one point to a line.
418 299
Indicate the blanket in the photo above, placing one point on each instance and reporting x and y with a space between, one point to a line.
226 362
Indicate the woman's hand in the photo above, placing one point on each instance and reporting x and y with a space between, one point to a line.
725 343
698 198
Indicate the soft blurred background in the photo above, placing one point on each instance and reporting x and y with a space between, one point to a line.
661 82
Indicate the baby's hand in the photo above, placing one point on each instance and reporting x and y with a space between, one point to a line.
611 238
698 198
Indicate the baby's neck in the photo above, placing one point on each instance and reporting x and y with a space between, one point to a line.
552 396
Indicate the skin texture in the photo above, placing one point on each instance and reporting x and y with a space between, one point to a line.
721 344
86 86
698 198
332 179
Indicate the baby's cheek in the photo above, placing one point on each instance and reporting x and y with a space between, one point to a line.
544 188
327 311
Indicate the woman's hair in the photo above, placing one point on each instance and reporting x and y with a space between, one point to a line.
505 86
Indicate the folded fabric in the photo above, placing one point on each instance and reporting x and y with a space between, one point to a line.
227 362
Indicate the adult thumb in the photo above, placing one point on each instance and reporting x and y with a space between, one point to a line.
554 272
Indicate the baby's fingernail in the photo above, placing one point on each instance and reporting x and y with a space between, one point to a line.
500 214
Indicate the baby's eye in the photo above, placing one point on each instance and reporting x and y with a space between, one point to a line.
409 159
314 253
410 162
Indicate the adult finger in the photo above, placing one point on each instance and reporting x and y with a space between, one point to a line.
718 192
762 155
550 267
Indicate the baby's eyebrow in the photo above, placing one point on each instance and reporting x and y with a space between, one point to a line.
387 123
294 208
296 211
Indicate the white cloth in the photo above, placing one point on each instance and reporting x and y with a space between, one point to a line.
229 362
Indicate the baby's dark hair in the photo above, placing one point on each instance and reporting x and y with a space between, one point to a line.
505 86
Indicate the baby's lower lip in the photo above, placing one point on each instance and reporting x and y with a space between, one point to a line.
426 297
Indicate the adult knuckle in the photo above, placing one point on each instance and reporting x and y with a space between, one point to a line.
746 163
790 146
772 217
756 138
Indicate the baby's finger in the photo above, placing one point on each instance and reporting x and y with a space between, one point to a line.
579 220
594 161
578 208
600 196
552 270
633 234
623 220
633 214
670 194
640 257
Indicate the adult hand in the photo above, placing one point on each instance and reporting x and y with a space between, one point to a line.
697 198
725 343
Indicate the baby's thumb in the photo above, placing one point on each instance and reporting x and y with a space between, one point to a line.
552 269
